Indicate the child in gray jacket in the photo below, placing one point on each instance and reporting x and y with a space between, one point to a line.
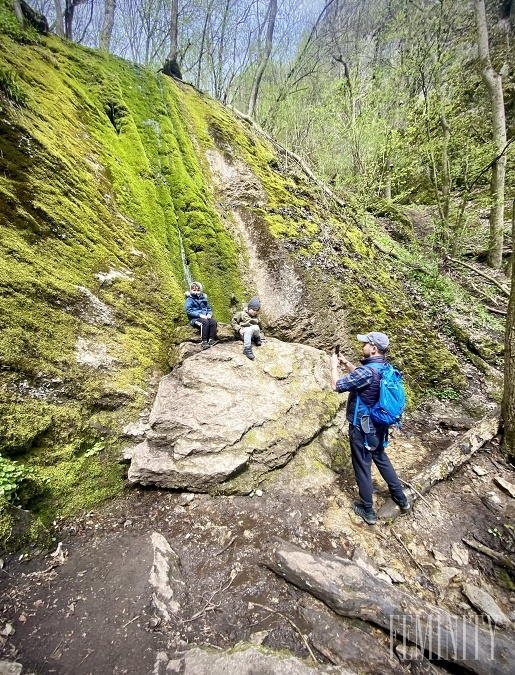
247 325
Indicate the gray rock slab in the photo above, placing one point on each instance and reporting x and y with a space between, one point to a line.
484 602
219 414
169 589
506 486
10 668
243 661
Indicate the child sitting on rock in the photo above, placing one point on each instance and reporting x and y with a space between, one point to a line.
200 314
248 326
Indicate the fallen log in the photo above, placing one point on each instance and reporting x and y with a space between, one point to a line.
498 284
350 591
457 454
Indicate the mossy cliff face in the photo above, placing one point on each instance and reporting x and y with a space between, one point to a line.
104 172
100 174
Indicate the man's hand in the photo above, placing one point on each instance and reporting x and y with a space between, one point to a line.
208 316
241 332
346 363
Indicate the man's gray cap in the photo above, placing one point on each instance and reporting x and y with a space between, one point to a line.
380 340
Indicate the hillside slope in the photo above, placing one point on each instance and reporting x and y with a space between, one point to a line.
116 184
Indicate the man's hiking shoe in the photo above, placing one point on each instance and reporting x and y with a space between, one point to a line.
258 342
248 353
205 345
211 342
404 506
368 515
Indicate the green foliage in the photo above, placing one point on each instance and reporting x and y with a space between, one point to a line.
444 394
495 532
94 449
11 87
18 483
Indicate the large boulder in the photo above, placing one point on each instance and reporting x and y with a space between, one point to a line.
220 422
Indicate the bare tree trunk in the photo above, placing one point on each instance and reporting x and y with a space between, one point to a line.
493 83
68 19
107 25
202 47
446 170
59 20
218 70
272 13
17 10
459 452
171 65
508 403
388 180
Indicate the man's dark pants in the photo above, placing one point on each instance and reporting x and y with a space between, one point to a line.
362 459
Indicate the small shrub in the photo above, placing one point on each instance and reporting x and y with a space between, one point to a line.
12 88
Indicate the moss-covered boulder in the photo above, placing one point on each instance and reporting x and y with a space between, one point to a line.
221 422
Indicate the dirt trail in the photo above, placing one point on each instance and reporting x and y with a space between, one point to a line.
88 610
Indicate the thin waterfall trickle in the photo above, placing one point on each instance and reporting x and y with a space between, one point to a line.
153 124
185 266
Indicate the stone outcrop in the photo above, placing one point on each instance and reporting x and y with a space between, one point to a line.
221 422
246 661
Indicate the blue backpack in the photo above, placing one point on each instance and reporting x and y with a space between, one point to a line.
392 399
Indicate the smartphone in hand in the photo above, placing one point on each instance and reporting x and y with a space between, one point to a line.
337 349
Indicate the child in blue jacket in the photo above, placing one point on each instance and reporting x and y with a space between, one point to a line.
200 314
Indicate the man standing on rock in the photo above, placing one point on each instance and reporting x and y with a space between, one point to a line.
366 439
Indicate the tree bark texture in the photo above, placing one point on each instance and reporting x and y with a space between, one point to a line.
106 30
17 10
493 83
447 462
350 591
446 167
508 403
35 19
171 66
265 55
59 19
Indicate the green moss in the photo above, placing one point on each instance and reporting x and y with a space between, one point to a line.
99 477
101 174
505 579
6 520
279 227
21 530
11 88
